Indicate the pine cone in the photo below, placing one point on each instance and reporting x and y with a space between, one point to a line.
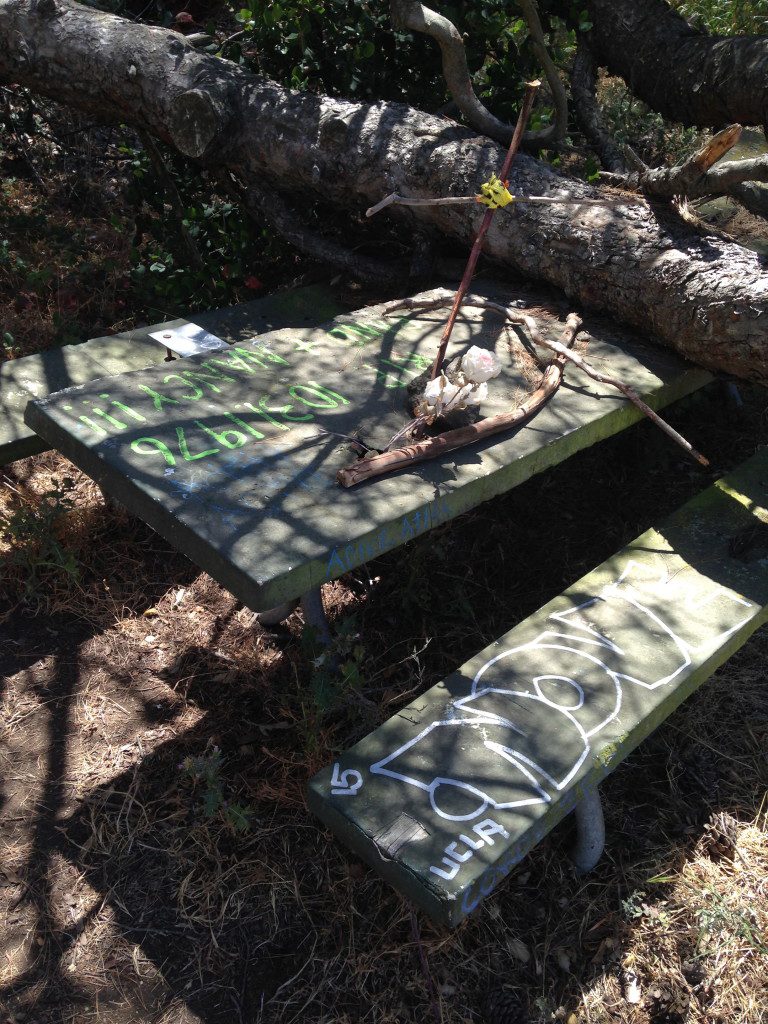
668 1002
721 833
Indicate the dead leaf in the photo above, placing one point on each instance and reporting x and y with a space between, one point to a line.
519 950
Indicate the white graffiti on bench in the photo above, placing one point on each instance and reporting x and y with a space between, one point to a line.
589 662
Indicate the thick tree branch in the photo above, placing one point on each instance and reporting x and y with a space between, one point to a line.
637 263
685 74
587 111
557 131
752 197
416 17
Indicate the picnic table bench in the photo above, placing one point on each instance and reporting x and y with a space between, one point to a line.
445 798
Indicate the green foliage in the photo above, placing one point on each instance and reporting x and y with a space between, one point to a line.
633 906
205 775
349 48
630 121
33 531
726 17
237 257
10 348
337 668
718 922
340 47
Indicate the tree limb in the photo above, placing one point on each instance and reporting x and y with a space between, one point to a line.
683 73
416 17
637 263
752 197
587 111
696 177
557 131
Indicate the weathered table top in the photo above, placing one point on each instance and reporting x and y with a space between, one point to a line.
233 457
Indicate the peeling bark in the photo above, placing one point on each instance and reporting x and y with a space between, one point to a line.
702 295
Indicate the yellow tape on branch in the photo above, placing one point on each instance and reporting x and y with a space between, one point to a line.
495 193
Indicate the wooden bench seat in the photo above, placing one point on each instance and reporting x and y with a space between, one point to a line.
55 369
446 797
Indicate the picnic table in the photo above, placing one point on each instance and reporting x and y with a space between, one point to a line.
232 456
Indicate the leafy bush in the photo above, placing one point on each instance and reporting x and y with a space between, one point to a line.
37 553
727 17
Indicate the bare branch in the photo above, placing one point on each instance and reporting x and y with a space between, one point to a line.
522 121
557 131
415 16
516 317
588 116
393 199
697 177
433 447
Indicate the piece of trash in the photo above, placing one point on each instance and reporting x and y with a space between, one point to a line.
630 987
460 386
188 340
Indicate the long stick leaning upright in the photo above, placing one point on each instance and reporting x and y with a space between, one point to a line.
522 120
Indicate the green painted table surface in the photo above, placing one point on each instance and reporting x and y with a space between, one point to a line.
233 457
446 797
35 376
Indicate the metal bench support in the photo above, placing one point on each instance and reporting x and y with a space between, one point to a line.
590 832
314 614
274 616
312 608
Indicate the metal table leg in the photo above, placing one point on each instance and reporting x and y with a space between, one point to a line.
590 831
314 614
274 616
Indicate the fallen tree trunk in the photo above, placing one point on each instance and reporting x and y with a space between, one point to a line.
685 74
700 294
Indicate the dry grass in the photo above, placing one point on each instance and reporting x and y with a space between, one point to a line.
126 902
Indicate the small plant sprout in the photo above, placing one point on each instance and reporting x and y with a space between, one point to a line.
459 386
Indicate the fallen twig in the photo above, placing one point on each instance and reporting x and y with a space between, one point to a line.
394 199
463 436
516 317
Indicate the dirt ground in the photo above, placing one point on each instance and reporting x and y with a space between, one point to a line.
131 894
158 864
